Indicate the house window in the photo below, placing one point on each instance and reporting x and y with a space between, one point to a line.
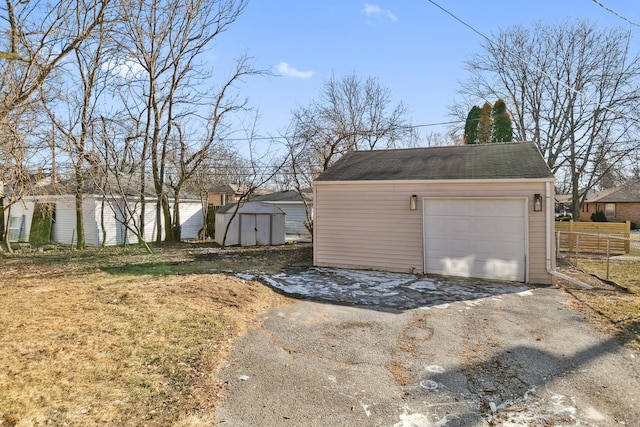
610 210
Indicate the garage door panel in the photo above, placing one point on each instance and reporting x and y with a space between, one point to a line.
476 238
486 226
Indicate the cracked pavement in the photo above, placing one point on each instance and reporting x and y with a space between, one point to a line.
513 357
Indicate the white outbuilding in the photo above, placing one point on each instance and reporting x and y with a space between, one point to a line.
106 221
297 210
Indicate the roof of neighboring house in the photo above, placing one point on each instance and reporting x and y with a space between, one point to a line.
250 207
477 161
126 187
234 189
284 196
629 192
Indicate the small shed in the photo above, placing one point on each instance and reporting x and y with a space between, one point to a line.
294 207
482 211
251 224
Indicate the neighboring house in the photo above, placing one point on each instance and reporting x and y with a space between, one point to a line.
294 207
253 224
483 211
104 221
619 204
222 195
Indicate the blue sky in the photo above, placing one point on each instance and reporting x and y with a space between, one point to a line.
411 46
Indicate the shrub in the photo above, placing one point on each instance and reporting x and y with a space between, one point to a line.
598 216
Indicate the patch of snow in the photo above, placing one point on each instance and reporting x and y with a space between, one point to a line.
527 293
420 285
430 385
414 420
366 409
435 369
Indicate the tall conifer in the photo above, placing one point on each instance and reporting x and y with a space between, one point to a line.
502 129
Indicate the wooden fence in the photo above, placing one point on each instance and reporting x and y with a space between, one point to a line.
594 237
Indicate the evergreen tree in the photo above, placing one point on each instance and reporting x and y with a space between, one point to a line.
471 126
485 124
502 129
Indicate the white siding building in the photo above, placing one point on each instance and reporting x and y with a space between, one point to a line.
105 220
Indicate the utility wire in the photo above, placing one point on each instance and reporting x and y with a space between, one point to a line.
624 18
268 138
541 71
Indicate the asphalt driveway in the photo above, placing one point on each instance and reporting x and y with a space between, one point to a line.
379 349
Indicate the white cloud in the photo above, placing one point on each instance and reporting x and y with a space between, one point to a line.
374 9
288 71
126 69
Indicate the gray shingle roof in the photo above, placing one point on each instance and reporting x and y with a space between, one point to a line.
629 192
486 161
282 196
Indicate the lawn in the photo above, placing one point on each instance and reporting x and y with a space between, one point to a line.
120 337
117 336
614 309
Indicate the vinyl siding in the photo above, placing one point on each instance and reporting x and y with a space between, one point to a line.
295 217
370 225
64 228
191 218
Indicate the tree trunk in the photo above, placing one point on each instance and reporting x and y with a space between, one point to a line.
80 242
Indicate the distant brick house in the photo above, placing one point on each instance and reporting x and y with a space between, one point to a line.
619 204
222 195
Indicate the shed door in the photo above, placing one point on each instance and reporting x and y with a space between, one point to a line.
263 229
248 230
484 238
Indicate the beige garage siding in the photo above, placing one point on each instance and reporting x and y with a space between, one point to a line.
370 226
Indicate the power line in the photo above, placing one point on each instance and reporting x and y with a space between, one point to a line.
284 137
624 18
541 71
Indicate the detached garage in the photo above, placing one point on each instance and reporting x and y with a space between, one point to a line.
480 211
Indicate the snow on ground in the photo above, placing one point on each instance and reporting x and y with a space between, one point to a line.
383 289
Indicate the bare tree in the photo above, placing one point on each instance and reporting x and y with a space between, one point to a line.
162 41
15 156
40 36
351 114
73 113
571 88
257 172
189 152
114 167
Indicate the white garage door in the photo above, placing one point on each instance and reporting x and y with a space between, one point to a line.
484 238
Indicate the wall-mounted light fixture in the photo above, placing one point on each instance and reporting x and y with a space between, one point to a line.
537 202
413 202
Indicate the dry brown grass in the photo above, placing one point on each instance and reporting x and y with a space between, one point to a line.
115 338
613 309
